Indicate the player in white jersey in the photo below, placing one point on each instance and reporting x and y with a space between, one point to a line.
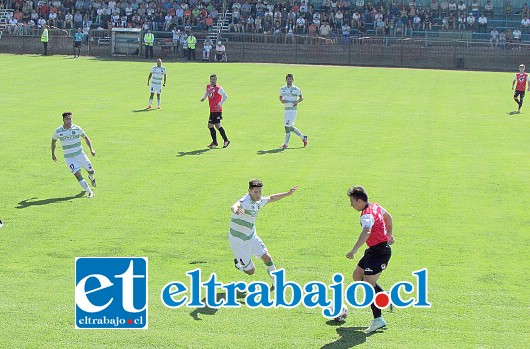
158 73
69 135
291 96
242 236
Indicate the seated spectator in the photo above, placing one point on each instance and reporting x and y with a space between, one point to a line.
462 9
345 34
507 9
435 8
517 37
206 48
220 52
452 7
488 9
494 40
462 22
502 40
427 21
452 21
525 10
475 8
444 8
525 23
300 25
416 22
482 24
471 22
325 29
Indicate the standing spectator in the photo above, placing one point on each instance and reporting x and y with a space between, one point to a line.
216 97
158 72
44 39
494 40
346 32
78 40
290 97
502 40
521 79
149 41
191 41
525 10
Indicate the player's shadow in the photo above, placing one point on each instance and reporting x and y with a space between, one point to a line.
206 310
349 336
193 152
270 151
512 112
29 202
141 110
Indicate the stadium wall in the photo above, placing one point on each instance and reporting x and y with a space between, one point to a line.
405 53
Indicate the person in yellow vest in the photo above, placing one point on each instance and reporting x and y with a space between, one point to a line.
44 39
149 40
191 41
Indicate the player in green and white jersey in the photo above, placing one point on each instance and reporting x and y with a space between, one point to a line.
242 236
70 136
158 73
291 96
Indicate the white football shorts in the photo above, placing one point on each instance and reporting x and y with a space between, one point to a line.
243 250
75 163
289 118
156 89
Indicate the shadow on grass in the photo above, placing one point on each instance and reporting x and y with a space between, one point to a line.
206 310
141 110
270 151
28 202
349 336
512 112
193 152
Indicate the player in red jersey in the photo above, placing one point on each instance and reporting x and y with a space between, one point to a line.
521 79
216 97
376 232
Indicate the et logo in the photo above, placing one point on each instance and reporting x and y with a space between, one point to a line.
111 293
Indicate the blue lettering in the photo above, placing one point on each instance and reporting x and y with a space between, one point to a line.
281 286
170 290
320 294
351 294
422 289
211 295
258 295
195 289
394 294
231 293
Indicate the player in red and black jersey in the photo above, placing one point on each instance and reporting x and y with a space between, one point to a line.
521 79
216 97
376 232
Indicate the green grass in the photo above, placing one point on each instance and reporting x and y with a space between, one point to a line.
435 148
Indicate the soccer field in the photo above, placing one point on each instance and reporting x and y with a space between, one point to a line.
437 149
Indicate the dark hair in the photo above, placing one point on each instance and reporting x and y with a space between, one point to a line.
66 113
358 192
289 76
213 76
255 183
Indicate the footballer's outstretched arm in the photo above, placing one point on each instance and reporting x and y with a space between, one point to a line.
388 223
279 196
365 233
236 208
